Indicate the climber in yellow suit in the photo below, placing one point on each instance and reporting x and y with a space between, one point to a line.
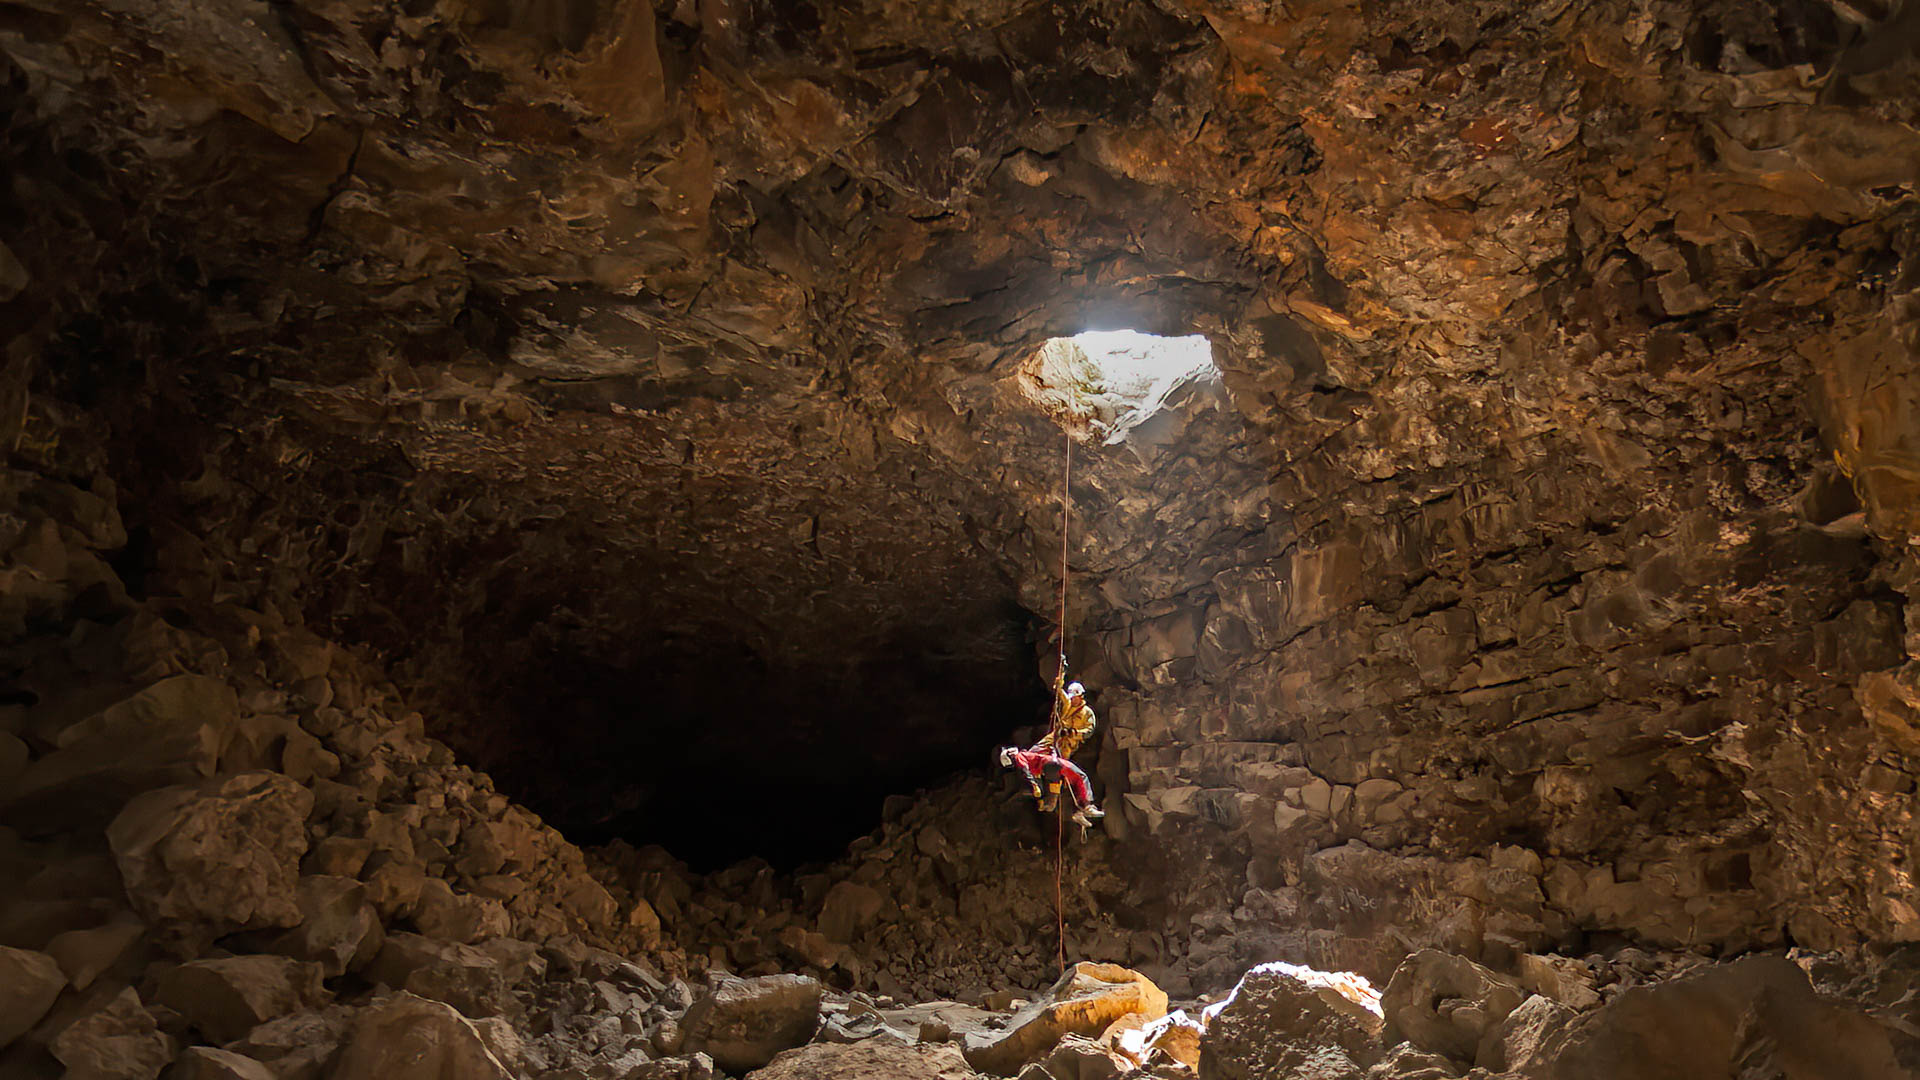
1075 721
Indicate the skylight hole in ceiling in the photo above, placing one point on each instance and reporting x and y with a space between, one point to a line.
1102 384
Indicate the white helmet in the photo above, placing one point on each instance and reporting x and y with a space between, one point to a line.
1074 689
1006 757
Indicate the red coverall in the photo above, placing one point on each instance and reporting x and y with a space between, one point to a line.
1031 762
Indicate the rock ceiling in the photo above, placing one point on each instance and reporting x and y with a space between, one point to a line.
642 377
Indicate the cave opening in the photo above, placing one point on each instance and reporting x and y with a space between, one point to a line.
1109 383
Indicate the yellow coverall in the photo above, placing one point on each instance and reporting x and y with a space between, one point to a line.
1076 722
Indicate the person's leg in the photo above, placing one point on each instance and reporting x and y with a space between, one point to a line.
1077 781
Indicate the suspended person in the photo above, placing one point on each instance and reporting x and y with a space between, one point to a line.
1044 771
1075 717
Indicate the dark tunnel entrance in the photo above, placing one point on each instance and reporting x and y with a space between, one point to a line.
717 754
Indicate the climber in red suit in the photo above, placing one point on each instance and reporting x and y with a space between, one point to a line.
1044 771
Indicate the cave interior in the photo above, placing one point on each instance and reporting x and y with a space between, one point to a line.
1470 453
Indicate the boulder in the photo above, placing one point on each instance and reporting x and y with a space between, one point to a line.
208 1063
118 1041
84 954
229 997
848 909
338 856
459 975
1084 1001
394 884
442 913
300 1046
588 901
1408 1062
1754 1017
743 1023
339 929
1446 1003
1174 1037
1077 1057
1276 1025
1514 1041
520 961
493 847
29 982
210 859
1562 978
874 1059
170 733
692 1067
410 1038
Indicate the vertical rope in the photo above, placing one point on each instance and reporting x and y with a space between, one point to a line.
1059 811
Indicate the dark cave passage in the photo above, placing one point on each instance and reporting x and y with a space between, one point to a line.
718 754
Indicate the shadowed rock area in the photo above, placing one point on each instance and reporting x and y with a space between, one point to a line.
524 524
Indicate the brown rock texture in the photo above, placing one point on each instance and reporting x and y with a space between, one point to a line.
439 436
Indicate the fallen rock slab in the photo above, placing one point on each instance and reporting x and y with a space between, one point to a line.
1515 1040
301 1046
1754 1017
339 928
210 859
229 997
1277 1025
1085 1001
743 1023
118 1041
462 976
411 1038
29 982
1446 1003
170 733
874 1059
84 954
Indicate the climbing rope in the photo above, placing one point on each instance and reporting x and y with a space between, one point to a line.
1060 675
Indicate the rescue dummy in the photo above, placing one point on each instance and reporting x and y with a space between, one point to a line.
1045 771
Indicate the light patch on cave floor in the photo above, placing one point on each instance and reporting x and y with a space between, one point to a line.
1109 381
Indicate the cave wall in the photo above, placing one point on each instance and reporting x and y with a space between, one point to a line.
1545 571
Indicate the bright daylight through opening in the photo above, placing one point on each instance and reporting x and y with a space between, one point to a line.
1105 383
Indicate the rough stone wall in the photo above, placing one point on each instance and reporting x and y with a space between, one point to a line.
1546 570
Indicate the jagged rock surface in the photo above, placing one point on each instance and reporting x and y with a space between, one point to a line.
1538 577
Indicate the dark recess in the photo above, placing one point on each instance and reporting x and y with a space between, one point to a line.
716 755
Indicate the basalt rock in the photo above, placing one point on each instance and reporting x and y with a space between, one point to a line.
224 999
743 1023
117 1041
29 982
1086 1000
1276 1025
204 861
1754 1014
870 1060
1447 1004
410 1038
649 404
